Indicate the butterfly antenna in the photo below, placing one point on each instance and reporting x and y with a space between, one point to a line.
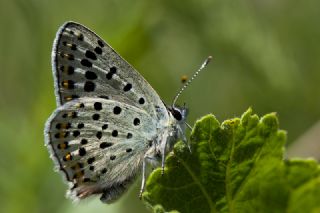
205 63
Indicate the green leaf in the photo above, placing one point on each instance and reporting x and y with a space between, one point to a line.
236 166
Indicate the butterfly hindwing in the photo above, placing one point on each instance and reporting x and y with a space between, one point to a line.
98 144
86 66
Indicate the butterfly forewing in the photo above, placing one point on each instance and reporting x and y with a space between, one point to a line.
109 119
86 66
91 138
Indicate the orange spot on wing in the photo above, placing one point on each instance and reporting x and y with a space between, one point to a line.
63 146
68 157
68 98
65 84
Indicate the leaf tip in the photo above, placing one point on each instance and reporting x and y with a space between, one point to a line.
204 126
270 123
246 115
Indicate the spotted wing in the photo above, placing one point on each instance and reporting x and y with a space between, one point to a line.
98 145
86 66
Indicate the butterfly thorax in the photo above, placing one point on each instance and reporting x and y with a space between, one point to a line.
176 127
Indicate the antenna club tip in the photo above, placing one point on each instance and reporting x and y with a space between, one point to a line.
184 79
207 60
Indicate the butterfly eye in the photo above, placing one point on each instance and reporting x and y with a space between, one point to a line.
176 114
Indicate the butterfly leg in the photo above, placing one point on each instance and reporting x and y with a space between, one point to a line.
146 158
143 182
189 126
163 157
164 143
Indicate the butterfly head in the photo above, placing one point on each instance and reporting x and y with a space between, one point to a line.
179 113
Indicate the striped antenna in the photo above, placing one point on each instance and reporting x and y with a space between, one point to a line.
205 63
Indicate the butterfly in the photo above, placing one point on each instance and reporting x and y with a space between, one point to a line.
109 122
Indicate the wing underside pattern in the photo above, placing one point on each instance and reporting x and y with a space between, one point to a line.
98 143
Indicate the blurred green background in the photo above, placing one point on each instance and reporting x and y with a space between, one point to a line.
266 55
